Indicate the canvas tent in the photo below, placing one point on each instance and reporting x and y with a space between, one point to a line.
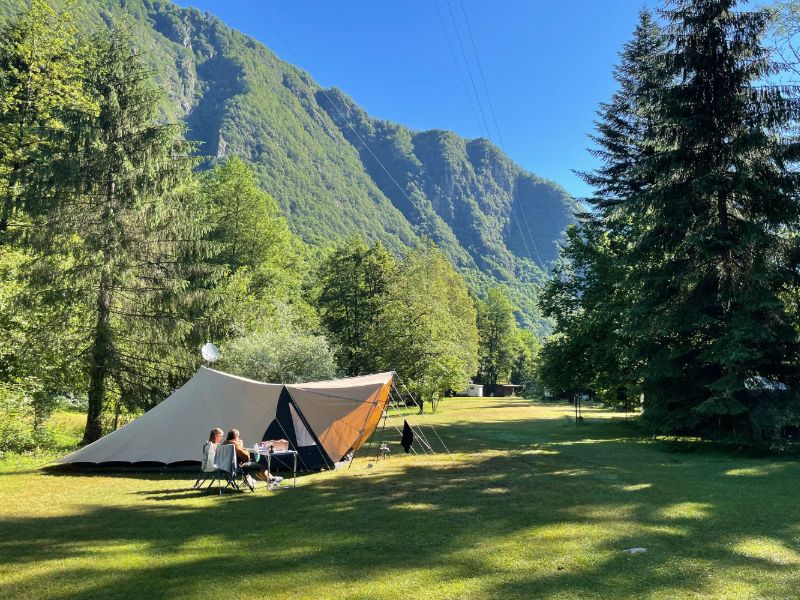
322 420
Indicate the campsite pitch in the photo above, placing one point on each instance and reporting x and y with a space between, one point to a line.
533 506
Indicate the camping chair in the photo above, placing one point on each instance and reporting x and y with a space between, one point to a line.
207 467
219 461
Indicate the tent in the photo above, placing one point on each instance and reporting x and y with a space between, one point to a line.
322 420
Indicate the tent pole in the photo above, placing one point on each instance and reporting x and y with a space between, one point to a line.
380 441
364 429
419 433
429 425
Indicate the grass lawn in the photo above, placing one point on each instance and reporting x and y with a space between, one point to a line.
533 506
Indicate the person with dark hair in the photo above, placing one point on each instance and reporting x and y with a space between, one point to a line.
243 458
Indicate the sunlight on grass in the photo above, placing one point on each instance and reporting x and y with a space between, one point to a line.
415 506
759 471
530 506
768 550
495 490
636 487
686 510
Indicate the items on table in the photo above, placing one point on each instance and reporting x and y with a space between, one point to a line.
273 446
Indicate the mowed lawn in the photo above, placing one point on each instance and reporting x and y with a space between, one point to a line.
533 506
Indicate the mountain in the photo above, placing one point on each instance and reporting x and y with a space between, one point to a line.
335 170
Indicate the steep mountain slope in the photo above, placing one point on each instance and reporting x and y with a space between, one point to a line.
317 153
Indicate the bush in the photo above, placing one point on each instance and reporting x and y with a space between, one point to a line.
19 411
19 437
285 355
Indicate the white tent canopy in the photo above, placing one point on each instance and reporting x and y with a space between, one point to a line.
341 413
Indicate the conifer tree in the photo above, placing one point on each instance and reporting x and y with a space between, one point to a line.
624 123
42 66
121 212
712 241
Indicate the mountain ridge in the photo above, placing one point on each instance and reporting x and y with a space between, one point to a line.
496 222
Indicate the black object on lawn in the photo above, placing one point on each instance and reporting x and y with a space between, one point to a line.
408 437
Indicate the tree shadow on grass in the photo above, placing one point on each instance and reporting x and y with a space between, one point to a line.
549 515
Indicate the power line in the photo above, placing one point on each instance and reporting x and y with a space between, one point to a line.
425 218
483 115
458 65
497 127
483 78
469 70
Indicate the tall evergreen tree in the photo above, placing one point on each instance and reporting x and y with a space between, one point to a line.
624 123
698 199
121 213
713 236
42 68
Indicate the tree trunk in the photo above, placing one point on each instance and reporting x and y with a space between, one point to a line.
98 369
101 342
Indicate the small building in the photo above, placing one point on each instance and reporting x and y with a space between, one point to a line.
474 389
507 389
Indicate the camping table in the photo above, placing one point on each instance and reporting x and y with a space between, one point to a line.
280 454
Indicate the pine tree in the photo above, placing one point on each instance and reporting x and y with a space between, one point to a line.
42 66
121 211
712 247
624 123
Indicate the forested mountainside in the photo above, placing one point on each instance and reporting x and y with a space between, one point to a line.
496 222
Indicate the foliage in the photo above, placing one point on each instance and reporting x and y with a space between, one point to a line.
281 353
588 349
427 331
497 223
120 207
353 282
498 339
697 204
41 78
261 262
524 370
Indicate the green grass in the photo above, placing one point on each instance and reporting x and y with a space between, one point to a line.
533 506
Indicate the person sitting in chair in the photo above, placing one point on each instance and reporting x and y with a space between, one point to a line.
215 437
243 457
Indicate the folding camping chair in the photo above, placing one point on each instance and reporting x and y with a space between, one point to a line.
219 461
207 467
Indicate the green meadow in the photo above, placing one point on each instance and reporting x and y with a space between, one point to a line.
531 505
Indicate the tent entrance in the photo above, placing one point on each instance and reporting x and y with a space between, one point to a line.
290 424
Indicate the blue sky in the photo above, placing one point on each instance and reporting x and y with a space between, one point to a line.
546 64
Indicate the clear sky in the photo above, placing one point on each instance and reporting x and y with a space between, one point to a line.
546 64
